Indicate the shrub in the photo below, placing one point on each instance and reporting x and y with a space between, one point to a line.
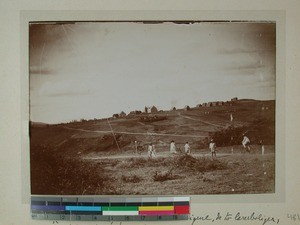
163 176
260 129
131 179
199 164
55 174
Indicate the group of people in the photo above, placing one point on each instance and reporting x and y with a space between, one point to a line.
187 149
152 150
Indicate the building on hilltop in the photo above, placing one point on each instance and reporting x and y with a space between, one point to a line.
187 108
209 104
154 109
135 112
122 114
234 99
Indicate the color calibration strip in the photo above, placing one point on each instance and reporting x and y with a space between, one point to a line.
110 209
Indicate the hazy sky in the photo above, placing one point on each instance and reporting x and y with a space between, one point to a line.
92 70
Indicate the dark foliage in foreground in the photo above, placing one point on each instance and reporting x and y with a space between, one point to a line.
53 174
203 164
163 176
259 131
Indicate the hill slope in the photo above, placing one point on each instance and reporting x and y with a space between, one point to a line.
194 126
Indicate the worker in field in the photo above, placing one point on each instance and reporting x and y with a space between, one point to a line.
187 148
212 146
173 147
153 151
246 143
150 151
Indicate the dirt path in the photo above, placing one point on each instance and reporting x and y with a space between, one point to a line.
202 121
135 133
220 155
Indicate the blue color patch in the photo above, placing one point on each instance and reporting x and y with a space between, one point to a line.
84 208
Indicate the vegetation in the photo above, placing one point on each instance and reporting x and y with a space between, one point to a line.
163 176
259 131
82 157
54 174
151 119
202 164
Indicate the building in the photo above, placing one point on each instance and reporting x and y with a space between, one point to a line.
135 112
234 99
115 115
187 108
154 109
122 114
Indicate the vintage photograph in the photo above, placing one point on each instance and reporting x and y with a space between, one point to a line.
152 107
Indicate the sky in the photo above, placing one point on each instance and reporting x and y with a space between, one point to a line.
88 70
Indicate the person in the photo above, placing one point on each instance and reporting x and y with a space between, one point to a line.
153 151
246 143
212 147
187 148
172 147
262 147
150 151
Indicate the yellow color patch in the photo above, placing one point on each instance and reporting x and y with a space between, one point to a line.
156 208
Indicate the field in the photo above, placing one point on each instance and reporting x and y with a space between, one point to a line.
101 157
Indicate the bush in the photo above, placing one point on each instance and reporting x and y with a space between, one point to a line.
200 165
163 176
54 174
261 129
131 179
152 118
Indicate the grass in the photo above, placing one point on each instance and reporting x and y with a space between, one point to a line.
202 164
55 174
176 175
131 178
60 164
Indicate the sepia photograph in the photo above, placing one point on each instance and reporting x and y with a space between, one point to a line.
152 107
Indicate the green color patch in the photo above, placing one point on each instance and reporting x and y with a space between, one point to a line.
120 208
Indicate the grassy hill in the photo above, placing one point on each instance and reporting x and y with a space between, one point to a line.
194 126
86 158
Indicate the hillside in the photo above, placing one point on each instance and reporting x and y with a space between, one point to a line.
194 126
86 158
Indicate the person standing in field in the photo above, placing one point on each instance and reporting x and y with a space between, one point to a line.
150 151
172 147
187 148
246 143
153 151
212 147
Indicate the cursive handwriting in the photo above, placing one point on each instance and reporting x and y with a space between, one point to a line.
237 217
198 218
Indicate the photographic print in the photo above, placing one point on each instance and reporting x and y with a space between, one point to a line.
152 107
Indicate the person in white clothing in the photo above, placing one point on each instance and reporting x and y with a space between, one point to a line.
212 147
246 143
150 151
172 147
153 151
187 148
